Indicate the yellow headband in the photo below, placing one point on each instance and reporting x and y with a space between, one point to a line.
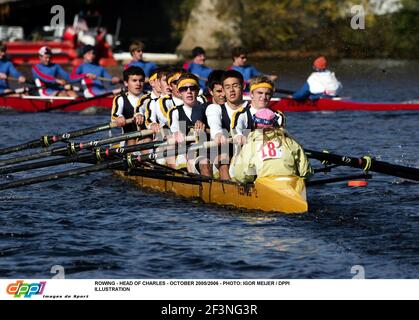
172 78
185 81
153 77
261 85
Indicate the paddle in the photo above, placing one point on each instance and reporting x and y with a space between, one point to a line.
46 141
367 164
72 148
129 161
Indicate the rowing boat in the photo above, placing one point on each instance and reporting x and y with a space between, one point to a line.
273 194
38 104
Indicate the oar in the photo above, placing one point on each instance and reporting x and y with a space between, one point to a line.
62 175
72 148
98 154
130 161
46 141
367 164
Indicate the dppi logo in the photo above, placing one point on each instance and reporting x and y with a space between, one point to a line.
19 289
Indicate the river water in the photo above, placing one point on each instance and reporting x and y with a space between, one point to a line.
99 226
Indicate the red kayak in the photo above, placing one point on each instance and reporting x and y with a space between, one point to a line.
39 104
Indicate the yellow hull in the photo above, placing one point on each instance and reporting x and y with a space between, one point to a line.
273 194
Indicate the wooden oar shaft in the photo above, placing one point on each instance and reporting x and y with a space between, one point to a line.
367 164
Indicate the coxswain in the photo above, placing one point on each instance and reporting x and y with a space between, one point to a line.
7 71
92 75
125 104
261 92
240 55
137 52
197 66
50 78
270 152
322 83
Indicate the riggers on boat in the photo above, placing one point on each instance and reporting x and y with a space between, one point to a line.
39 104
285 195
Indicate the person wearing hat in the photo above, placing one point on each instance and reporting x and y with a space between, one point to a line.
171 100
197 66
92 75
51 79
261 92
7 69
270 152
137 51
322 83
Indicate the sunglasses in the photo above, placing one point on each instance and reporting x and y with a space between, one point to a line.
186 88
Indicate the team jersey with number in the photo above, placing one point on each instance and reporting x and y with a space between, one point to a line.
269 158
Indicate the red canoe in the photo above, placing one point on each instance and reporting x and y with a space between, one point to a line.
38 104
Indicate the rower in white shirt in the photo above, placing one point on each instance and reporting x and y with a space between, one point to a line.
261 91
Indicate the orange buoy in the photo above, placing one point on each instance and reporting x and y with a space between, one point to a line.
357 184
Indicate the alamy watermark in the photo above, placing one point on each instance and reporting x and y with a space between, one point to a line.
358 17
358 272
58 20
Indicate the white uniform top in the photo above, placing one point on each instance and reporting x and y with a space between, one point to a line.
175 125
324 83
164 105
214 117
149 106
134 100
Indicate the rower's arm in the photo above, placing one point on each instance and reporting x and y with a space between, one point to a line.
214 115
11 70
173 118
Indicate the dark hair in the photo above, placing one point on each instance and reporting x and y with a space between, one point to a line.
197 51
233 74
238 51
215 77
162 72
133 71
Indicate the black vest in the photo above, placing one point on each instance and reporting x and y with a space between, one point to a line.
183 117
128 112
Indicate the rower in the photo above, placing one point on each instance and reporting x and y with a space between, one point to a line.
92 75
322 83
270 152
137 51
248 71
197 66
171 100
219 117
218 97
261 91
7 70
45 75
150 99
180 118
125 104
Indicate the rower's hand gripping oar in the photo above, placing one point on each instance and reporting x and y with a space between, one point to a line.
47 141
367 164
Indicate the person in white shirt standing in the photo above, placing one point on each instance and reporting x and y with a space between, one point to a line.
322 83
